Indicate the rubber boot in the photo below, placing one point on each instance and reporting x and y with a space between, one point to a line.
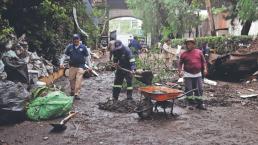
116 92
129 94
201 105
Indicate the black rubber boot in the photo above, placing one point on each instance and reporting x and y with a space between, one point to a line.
129 94
201 105
116 92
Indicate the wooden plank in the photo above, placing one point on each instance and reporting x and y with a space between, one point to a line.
52 77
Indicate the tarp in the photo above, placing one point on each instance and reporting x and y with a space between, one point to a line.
53 105
16 70
13 99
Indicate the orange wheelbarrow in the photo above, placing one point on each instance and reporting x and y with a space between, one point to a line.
161 96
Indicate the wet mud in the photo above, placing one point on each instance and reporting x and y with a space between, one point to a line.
229 120
124 106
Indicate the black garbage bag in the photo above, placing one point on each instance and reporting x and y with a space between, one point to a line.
13 99
16 69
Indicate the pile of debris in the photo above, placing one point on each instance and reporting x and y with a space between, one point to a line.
236 65
253 48
17 104
12 102
3 74
19 65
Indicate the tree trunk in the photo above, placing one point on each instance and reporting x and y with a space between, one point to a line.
197 26
196 31
210 17
246 27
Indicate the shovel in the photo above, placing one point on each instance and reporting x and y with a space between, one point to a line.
61 126
92 71
144 77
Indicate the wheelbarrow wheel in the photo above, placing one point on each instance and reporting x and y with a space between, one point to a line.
145 113
144 109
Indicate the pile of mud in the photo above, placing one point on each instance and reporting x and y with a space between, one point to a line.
251 49
222 96
124 106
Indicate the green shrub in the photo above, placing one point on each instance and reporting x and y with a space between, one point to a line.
5 32
48 24
222 44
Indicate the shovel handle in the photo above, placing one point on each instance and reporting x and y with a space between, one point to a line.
126 70
71 115
95 73
92 71
186 93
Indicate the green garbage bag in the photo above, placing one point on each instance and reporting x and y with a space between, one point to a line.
53 105
40 92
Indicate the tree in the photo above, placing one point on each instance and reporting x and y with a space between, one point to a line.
148 11
182 15
48 24
210 17
166 16
246 11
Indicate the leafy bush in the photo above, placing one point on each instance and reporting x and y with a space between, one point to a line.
222 44
48 24
155 63
5 32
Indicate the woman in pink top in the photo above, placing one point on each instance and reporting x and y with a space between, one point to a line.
192 62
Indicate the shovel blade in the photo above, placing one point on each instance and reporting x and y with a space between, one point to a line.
58 127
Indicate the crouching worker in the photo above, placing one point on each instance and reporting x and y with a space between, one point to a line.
191 62
78 57
123 58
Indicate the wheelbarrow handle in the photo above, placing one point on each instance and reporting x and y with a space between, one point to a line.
174 85
71 115
186 93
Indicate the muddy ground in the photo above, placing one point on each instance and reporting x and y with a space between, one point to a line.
229 120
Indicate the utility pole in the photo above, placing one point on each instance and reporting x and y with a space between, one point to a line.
210 17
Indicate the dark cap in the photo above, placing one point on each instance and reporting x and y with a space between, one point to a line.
76 36
118 45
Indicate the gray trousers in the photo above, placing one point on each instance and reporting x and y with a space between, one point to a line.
193 83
